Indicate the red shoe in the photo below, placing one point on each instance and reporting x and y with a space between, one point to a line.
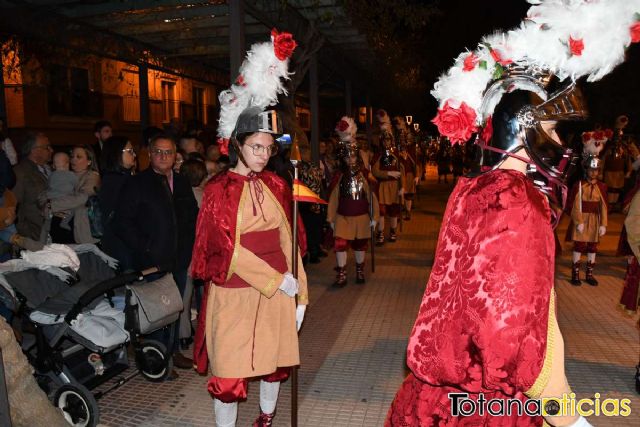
264 420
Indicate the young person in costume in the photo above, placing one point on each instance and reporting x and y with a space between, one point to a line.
487 323
406 155
388 170
350 205
248 323
588 210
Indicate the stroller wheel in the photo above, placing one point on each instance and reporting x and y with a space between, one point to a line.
153 361
78 405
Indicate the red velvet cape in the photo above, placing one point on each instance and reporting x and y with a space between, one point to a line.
483 321
216 234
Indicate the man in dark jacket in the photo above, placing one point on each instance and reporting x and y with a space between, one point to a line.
156 218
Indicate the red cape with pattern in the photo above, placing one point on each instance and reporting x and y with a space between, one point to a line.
483 321
216 234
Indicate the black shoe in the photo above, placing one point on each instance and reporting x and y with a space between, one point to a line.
323 254
180 361
172 376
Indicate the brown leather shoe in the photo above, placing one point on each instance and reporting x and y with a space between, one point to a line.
182 362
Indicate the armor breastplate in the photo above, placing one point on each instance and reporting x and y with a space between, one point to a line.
388 160
352 186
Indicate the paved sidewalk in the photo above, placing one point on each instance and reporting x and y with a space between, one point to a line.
353 340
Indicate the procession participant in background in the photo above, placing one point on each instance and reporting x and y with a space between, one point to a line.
410 177
588 220
248 322
617 162
487 324
587 207
349 205
388 170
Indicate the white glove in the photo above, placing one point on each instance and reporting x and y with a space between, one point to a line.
300 309
333 226
416 180
373 223
602 230
289 285
401 192
394 174
580 228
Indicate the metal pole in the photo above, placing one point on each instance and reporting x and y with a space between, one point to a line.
236 37
294 263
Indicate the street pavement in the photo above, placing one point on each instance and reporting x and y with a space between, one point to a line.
353 340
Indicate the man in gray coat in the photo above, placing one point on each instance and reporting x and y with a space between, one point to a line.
31 179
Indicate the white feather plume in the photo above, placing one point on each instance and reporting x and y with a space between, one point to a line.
543 40
349 134
259 84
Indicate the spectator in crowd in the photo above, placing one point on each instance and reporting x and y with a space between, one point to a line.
195 155
196 172
143 154
156 218
62 182
7 207
6 145
102 130
32 174
83 163
180 157
118 161
213 152
188 144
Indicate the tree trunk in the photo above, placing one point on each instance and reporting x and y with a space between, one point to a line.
28 403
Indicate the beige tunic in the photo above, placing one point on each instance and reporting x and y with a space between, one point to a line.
252 331
351 227
388 188
591 221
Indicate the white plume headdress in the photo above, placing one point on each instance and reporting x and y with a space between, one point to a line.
568 38
259 83
346 129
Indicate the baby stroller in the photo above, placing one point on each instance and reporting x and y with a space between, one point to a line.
79 321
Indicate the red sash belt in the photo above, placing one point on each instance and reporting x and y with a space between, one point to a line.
350 207
266 246
590 207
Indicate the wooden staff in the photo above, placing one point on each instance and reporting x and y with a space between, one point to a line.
294 263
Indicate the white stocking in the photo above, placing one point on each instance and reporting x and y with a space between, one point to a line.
591 257
269 396
226 413
394 222
576 257
359 256
409 203
381 224
341 258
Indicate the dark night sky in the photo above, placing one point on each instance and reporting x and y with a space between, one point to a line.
462 23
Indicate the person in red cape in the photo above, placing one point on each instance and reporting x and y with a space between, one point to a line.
249 319
588 210
487 329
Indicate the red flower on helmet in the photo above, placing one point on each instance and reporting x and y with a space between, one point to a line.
586 137
470 62
598 135
457 124
240 80
576 46
342 126
635 32
608 133
498 58
283 44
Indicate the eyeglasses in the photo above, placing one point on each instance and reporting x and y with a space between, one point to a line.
43 147
158 152
129 150
272 149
